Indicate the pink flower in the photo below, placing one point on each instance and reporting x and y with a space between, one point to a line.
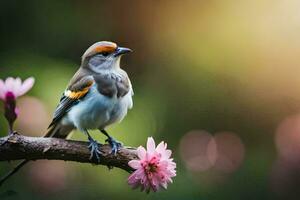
15 87
10 89
154 169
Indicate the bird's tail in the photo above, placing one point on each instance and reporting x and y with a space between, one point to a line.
57 131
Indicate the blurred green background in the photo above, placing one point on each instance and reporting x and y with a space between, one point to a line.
218 80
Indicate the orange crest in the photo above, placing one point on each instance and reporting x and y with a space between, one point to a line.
100 47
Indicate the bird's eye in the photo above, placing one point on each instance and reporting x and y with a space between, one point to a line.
105 54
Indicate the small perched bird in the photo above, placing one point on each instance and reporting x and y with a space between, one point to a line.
98 95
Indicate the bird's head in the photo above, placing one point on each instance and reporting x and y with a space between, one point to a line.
103 56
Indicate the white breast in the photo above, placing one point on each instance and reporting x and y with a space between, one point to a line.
96 111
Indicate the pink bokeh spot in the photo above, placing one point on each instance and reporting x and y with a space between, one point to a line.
154 169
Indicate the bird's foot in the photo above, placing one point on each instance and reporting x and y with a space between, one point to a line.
115 145
94 149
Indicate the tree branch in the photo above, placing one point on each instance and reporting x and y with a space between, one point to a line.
16 147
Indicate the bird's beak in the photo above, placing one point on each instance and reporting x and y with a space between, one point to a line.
121 50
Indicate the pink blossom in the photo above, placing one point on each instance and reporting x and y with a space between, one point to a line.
15 87
154 169
10 89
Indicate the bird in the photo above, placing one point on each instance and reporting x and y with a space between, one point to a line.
97 96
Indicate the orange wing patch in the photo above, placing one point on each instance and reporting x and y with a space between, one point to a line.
78 94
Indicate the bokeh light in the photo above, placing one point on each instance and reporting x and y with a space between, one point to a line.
227 151
193 149
33 118
285 173
287 138
223 152
48 177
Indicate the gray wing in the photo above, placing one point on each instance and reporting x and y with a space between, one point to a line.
71 97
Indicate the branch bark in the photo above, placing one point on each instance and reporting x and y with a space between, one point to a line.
16 147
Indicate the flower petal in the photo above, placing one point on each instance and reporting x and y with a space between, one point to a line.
2 89
27 85
150 145
167 154
9 84
133 180
135 164
161 147
164 185
17 85
141 152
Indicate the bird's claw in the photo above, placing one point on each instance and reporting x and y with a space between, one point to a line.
115 145
94 148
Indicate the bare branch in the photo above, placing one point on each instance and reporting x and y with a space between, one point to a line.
16 147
